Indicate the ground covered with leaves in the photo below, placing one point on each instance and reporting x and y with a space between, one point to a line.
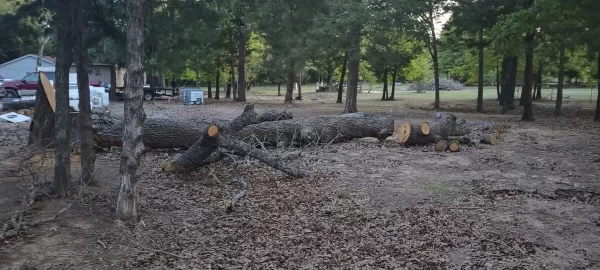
531 202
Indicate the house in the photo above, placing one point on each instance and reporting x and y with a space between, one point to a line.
16 69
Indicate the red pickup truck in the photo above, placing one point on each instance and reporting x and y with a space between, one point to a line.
28 85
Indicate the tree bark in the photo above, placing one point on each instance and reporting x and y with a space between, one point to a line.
134 116
384 95
210 89
353 69
197 77
394 83
480 79
112 91
528 80
217 83
561 81
161 80
241 97
342 77
508 83
289 94
64 58
234 86
278 89
87 154
42 128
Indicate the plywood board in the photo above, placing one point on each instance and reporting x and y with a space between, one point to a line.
49 90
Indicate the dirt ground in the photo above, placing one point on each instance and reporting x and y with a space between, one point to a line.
531 202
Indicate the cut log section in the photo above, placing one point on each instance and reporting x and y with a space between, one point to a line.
202 151
415 134
491 139
441 146
464 127
453 146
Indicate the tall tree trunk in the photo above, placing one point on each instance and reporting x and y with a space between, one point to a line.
384 95
498 83
43 41
561 81
217 83
538 82
278 89
112 91
289 93
480 79
597 117
342 77
528 80
513 82
197 77
64 58
234 85
505 79
134 116
210 89
242 65
353 67
394 83
299 97
87 156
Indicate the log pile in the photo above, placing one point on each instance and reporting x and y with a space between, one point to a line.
447 133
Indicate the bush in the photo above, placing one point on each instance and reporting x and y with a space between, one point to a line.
445 85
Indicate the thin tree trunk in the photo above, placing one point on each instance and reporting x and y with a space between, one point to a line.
210 89
43 41
134 116
112 91
161 80
234 85
394 83
384 95
528 80
278 89
241 97
480 79
353 68
289 94
342 77
88 156
64 58
538 82
597 117
197 77
217 83
561 81
436 69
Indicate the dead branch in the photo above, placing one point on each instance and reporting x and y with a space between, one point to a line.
230 204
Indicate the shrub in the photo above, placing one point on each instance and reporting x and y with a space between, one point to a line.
445 85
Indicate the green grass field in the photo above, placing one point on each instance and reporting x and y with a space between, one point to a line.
578 95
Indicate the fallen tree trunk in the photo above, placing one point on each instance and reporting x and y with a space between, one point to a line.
427 132
319 130
15 104
464 127
169 133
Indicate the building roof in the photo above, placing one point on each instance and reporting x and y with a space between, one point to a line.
47 59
